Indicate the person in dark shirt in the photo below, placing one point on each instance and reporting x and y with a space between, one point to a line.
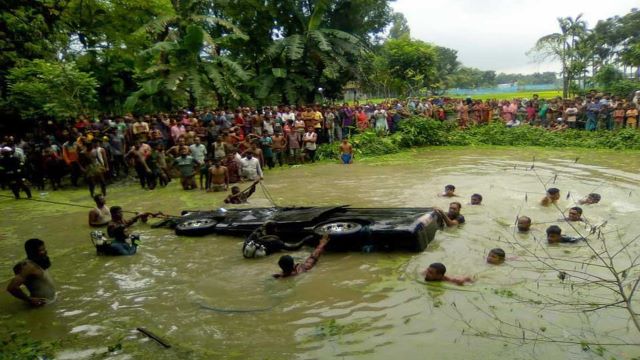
554 236
453 217
11 170
290 268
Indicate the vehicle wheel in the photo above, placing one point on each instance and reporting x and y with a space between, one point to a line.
338 228
196 227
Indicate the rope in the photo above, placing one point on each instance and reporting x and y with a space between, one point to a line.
237 311
69 204
267 194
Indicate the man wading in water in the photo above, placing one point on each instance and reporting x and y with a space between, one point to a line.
33 274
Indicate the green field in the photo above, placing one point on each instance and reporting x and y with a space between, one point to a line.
545 94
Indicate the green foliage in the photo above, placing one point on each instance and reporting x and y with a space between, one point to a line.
41 89
418 131
624 88
607 76
18 345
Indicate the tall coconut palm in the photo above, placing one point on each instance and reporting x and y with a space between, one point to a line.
562 45
185 66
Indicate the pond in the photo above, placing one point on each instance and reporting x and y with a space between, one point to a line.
207 301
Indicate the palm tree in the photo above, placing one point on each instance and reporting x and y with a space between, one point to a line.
562 46
186 64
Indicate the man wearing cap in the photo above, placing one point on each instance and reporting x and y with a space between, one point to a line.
12 172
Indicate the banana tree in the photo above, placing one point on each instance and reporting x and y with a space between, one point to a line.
186 65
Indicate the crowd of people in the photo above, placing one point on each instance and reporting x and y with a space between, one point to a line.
225 146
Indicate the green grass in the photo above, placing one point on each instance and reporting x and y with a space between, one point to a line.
544 94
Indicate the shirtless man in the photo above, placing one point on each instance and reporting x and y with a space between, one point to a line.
346 151
32 273
218 177
552 196
524 224
453 216
278 146
100 215
290 268
436 272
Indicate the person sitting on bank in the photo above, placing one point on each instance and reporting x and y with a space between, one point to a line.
436 272
496 256
449 191
453 217
117 229
554 236
240 197
575 214
524 224
552 197
32 273
290 268
100 215
592 198
476 199
264 241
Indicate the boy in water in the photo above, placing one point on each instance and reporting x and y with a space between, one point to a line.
476 199
436 272
496 256
552 196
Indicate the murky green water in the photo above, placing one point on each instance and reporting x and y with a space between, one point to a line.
367 306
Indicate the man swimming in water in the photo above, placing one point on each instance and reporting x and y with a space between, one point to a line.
496 256
436 272
592 198
32 273
476 199
554 236
290 268
524 224
575 214
552 196
449 191
100 215
453 217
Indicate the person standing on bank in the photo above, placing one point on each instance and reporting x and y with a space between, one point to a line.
32 273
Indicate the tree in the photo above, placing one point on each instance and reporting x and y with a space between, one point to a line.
399 27
562 46
54 90
311 59
186 66
413 63
30 30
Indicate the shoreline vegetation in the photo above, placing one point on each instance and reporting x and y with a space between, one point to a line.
419 132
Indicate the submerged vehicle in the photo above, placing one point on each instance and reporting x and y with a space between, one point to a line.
351 229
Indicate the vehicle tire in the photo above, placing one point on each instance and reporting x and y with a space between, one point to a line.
338 228
196 227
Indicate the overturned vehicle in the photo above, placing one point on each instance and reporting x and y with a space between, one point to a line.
350 229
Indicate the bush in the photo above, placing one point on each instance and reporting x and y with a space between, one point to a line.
419 131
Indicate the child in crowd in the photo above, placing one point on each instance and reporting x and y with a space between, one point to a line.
632 116
552 196
496 256
436 272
